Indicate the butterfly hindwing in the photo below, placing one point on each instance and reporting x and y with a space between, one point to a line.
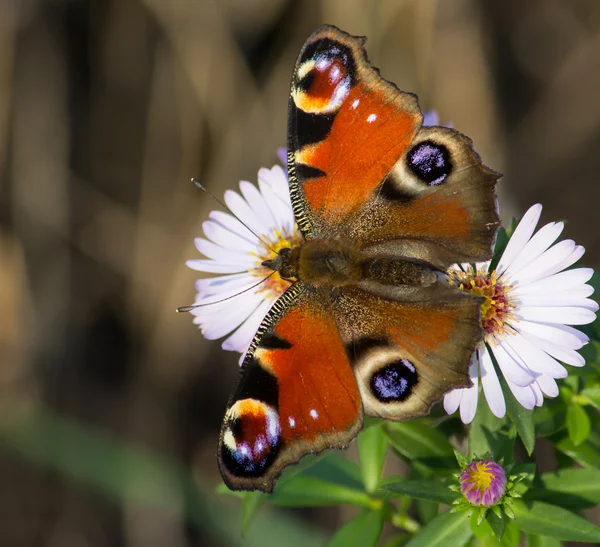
437 204
296 394
408 345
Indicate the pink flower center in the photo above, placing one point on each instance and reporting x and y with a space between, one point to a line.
483 482
496 308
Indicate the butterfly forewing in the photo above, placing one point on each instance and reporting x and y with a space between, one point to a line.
347 128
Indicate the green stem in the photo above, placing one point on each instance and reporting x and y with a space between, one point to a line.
401 520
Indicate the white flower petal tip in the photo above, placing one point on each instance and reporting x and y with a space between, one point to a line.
260 221
430 118
531 299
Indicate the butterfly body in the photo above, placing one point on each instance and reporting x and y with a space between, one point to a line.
324 263
368 325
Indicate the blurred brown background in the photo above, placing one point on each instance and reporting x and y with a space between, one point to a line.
107 108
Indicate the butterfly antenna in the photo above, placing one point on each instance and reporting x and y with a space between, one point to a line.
199 185
184 309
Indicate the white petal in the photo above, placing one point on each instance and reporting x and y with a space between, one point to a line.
212 266
259 207
232 294
558 282
569 356
512 368
468 404
279 183
215 285
240 208
282 155
491 384
550 262
539 396
524 395
557 314
219 254
533 357
226 322
557 334
558 266
212 305
547 385
431 117
520 237
281 211
545 237
573 297
242 337
233 225
452 400
226 238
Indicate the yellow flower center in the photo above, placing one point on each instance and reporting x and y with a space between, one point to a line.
481 476
496 308
280 239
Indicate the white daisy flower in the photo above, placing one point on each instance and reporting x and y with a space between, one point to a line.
531 300
233 250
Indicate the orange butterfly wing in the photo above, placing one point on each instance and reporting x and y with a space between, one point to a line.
296 394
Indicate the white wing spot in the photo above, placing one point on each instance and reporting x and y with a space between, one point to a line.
335 74
291 421
355 103
323 64
372 118
314 414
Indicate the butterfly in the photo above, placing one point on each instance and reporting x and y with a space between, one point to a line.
369 325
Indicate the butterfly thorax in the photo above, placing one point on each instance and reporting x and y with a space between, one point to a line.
335 263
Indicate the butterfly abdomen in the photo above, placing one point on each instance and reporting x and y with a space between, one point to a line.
338 264
394 271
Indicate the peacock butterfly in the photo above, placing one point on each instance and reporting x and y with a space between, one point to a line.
369 324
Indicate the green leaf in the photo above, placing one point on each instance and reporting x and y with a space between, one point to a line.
550 520
574 488
372 447
396 541
307 491
520 416
335 467
501 242
427 510
535 540
423 490
418 440
578 424
481 431
549 419
497 524
253 501
592 394
512 535
362 531
445 529
583 454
